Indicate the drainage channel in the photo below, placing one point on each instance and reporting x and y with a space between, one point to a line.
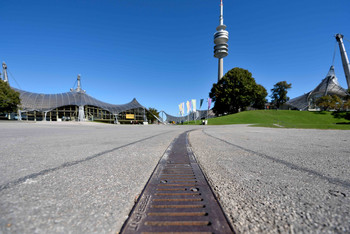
177 198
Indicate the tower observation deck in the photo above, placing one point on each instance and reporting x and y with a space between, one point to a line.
220 40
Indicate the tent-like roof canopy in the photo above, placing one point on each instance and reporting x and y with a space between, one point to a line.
198 115
328 86
47 102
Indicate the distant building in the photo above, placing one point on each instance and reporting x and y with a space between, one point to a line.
198 115
75 105
328 86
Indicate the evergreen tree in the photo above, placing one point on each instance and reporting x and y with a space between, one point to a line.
279 93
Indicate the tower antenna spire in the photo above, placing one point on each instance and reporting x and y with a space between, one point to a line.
220 40
222 13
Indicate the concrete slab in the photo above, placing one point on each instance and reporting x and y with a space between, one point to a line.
75 177
278 180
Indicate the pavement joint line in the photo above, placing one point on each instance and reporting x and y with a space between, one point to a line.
69 164
331 180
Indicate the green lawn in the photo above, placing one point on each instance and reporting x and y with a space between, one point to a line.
283 118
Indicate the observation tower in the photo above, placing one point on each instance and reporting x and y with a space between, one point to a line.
220 40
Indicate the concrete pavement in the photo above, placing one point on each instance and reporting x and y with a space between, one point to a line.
272 180
84 177
75 178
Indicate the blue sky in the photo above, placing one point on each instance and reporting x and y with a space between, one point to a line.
161 51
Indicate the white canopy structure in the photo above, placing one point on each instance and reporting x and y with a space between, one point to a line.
328 86
198 115
47 102
75 105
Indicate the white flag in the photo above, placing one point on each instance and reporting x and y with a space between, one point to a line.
194 105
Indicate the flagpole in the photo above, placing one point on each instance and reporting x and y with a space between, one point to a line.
188 112
207 114
209 104
207 108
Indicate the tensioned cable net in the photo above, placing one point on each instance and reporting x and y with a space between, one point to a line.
47 102
328 86
198 115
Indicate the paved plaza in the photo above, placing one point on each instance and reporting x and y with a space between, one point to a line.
85 177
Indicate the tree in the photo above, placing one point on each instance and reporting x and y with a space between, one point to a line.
260 97
151 113
337 102
328 102
324 102
9 98
346 104
279 93
236 91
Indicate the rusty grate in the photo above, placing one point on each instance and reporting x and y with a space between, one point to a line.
177 198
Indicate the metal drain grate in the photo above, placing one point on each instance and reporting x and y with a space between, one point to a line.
177 198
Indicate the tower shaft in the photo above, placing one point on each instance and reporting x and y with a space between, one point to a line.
220 40
344 58
220 68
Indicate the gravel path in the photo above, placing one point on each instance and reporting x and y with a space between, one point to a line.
278 180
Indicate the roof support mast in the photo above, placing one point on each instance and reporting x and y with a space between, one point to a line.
4 71
79 84
344 58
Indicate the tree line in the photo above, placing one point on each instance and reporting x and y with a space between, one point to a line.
238 90
333 102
